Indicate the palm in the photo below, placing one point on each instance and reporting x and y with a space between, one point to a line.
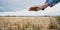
35 8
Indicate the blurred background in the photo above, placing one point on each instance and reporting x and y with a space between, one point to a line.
20 8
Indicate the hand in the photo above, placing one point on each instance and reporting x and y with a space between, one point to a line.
39 7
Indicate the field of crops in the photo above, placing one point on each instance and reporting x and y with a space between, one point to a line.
29 23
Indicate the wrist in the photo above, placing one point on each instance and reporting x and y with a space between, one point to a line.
44 6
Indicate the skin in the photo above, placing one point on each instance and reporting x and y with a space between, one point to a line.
38 7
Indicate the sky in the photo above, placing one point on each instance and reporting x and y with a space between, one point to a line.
20 8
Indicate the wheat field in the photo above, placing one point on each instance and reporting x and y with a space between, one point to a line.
29 23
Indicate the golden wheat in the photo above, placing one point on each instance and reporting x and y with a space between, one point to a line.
28 23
